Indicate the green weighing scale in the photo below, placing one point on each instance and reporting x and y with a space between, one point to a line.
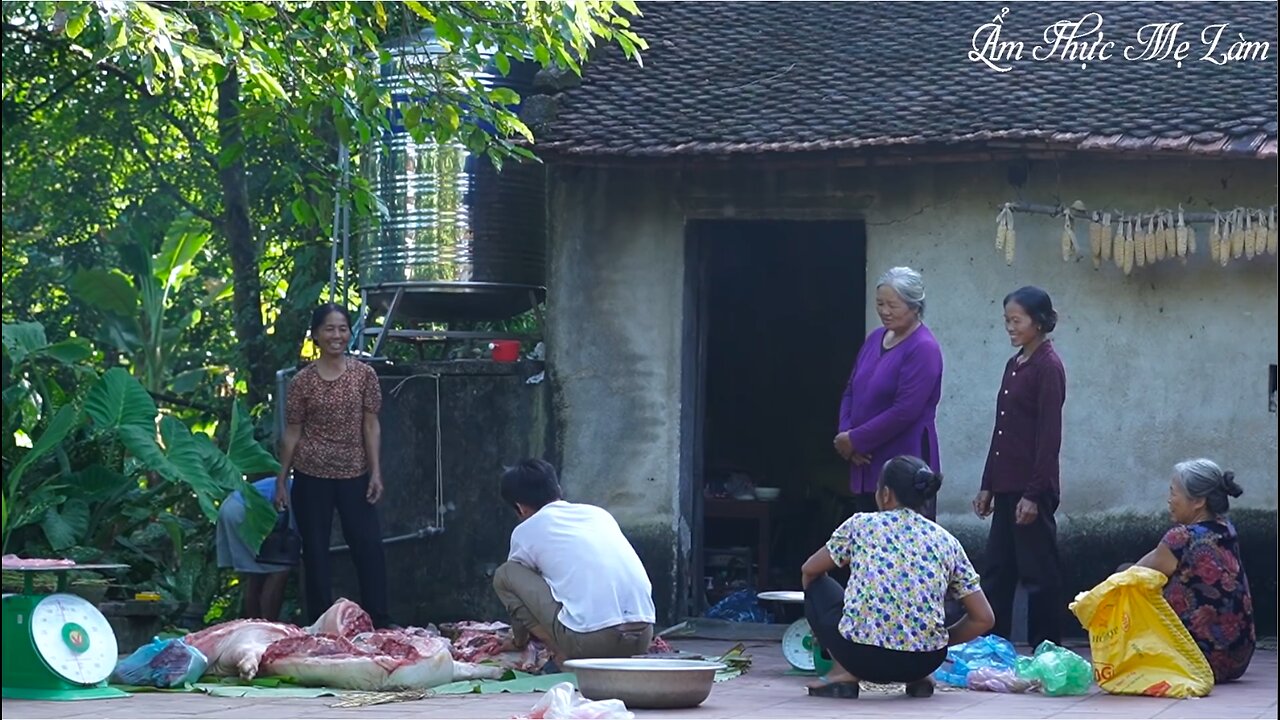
799 646
59 646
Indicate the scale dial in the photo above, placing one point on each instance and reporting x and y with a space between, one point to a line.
74 639
797 645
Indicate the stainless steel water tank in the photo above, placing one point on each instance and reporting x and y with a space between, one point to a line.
464 241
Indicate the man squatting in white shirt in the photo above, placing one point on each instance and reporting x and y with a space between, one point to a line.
571 579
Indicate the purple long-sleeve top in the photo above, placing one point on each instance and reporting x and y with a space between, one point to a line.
891 402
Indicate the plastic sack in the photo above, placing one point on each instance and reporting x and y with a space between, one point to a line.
988 651
1139 645
562 702
162 664
1057 670
740 606
998 680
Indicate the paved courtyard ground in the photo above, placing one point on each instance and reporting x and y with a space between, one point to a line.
764 692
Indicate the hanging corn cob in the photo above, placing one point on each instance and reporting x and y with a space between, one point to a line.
1271 231
1010 238
1161 233
1260 232
1180 236
1139 241
1157 239
1151 240
1095 240
1117 247
1170 235
1250 234
1215 239
1104 236
1191 240
1236 233
1130 246
1068 238
1002 227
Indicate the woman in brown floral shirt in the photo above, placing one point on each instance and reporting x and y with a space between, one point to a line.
331 443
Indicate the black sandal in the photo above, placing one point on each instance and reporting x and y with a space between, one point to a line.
920 688
841 690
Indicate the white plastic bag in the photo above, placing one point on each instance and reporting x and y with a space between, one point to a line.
562 702
1000 680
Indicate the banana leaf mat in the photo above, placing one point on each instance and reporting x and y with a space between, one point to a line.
274 687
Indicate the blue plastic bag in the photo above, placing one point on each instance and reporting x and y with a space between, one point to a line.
162 664
988 651
740 606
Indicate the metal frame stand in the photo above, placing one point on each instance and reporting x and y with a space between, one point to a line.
380 333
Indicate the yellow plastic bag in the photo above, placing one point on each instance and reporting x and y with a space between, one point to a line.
1139 645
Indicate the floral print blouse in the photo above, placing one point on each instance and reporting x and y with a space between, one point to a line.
1210 594
901 568
331 413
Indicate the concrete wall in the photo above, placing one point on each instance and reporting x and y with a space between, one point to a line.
1164 364
490 417
615 303
1168 363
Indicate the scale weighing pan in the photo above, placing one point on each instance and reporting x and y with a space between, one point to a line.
59 646
799 646
785 596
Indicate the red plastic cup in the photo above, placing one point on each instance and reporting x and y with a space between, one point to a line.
505 350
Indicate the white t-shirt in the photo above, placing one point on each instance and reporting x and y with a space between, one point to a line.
591 568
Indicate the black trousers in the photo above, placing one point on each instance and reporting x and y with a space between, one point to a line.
313 501
823 607
1026 554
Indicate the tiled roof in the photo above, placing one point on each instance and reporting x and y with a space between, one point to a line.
755 77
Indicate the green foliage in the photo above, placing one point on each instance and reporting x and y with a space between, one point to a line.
118 402
141 309
112 138
169 177
121 511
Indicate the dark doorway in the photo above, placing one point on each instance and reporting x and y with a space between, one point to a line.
778 310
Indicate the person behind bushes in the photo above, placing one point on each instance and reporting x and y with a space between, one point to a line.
1207 586
264 583
571 579
888 624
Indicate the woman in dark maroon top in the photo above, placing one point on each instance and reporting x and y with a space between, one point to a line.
1020 482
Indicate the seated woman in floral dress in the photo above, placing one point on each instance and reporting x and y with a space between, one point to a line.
1201 555
888 624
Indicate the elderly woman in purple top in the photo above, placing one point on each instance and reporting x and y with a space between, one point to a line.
891 401
1020 487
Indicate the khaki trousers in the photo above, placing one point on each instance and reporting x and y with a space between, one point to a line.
528 600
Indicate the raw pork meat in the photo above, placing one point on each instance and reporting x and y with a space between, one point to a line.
344 618
476 642
20 563
236 647
659 647
340 650
381 660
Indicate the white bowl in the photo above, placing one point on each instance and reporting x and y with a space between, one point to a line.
768 494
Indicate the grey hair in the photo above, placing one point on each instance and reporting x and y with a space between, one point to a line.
908 283
1202 478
